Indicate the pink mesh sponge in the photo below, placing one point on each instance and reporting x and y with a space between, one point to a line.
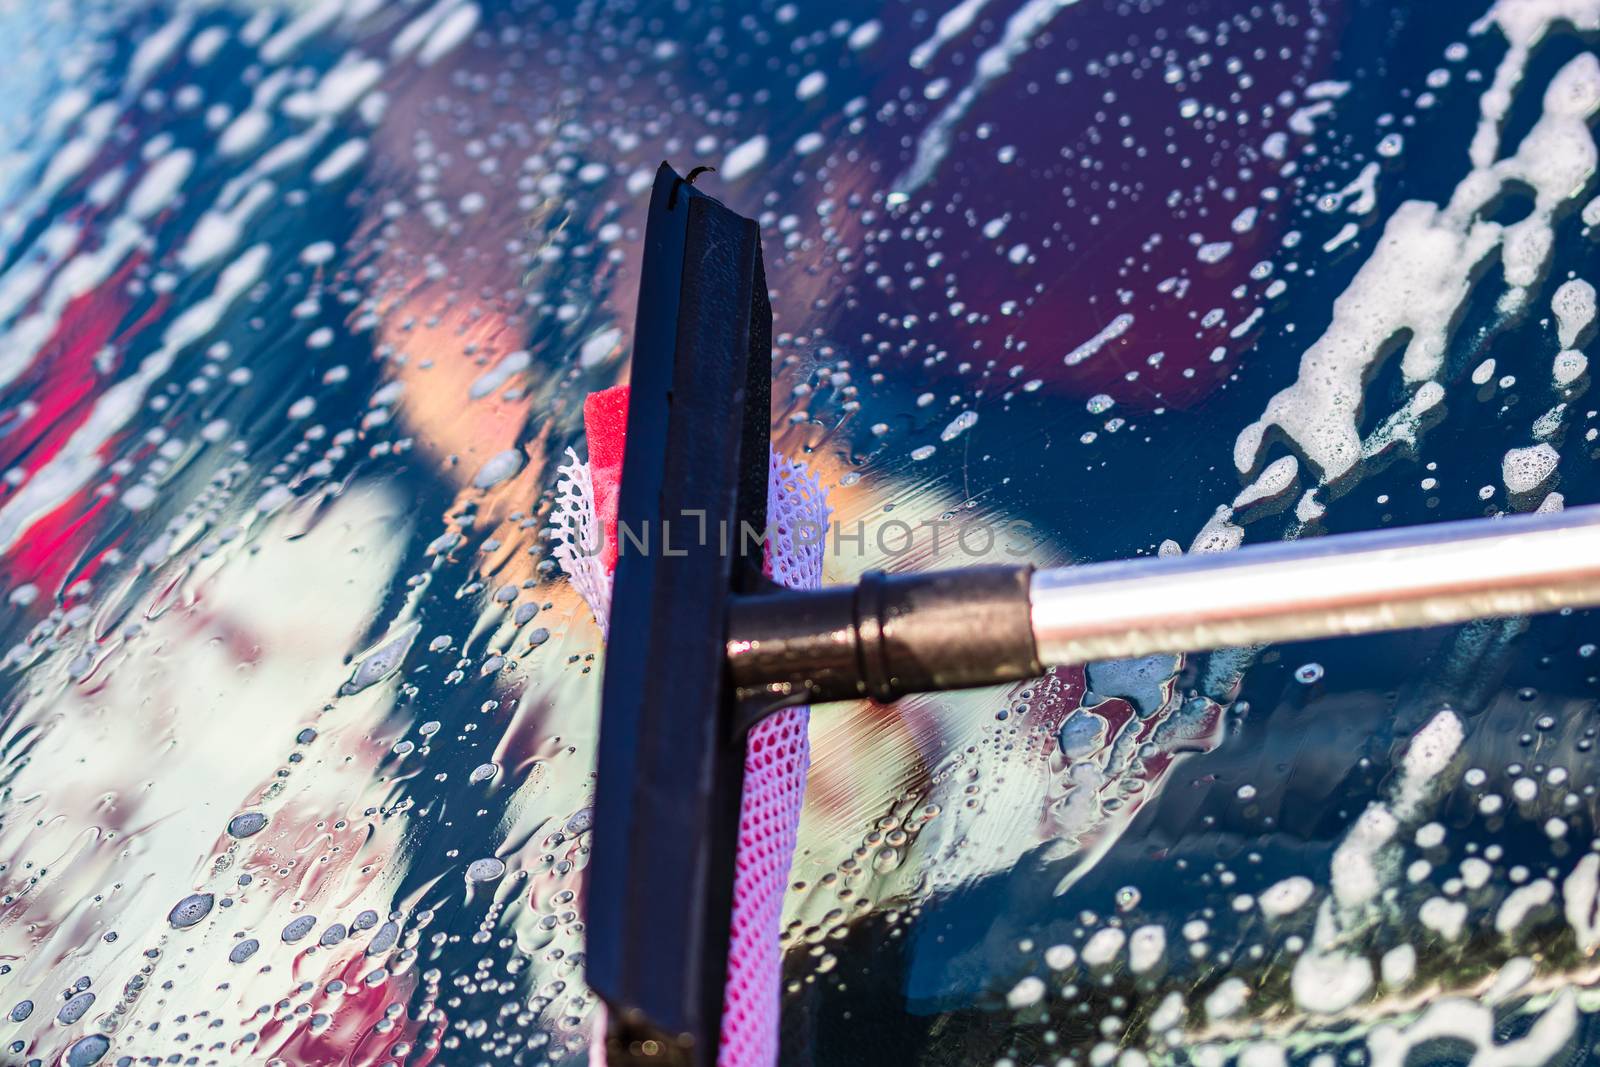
777 751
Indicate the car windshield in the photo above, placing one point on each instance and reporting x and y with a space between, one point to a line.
299 305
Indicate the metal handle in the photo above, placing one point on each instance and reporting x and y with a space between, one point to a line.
1430 575
985 625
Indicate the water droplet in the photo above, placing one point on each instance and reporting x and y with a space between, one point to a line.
380 663
75 1008
1081 734
485 870
246 824
87 1050
384 940
191 909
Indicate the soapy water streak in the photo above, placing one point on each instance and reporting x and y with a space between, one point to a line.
1416 282
238 619
1422 271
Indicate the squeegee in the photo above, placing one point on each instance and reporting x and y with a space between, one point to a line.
703 645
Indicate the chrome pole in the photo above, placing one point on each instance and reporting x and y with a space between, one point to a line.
928 631
1339 585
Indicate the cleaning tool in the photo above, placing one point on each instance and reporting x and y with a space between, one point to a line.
702 750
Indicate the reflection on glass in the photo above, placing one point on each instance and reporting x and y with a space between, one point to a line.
298 306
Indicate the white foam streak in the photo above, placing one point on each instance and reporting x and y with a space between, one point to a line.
1421 274
160 184
1112 330
154 51
20 346
313 20
23 280
452 30
219 230
1523 23
951 24
72 158
79 458
994 63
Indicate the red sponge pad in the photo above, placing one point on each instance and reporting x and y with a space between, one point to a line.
605 425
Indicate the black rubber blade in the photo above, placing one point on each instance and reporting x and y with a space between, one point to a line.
671 760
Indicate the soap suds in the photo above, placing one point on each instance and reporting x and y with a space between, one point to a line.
1573 304
1285 897
1421 273
1113 330
1525 469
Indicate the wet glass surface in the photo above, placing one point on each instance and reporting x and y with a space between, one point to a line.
298 306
